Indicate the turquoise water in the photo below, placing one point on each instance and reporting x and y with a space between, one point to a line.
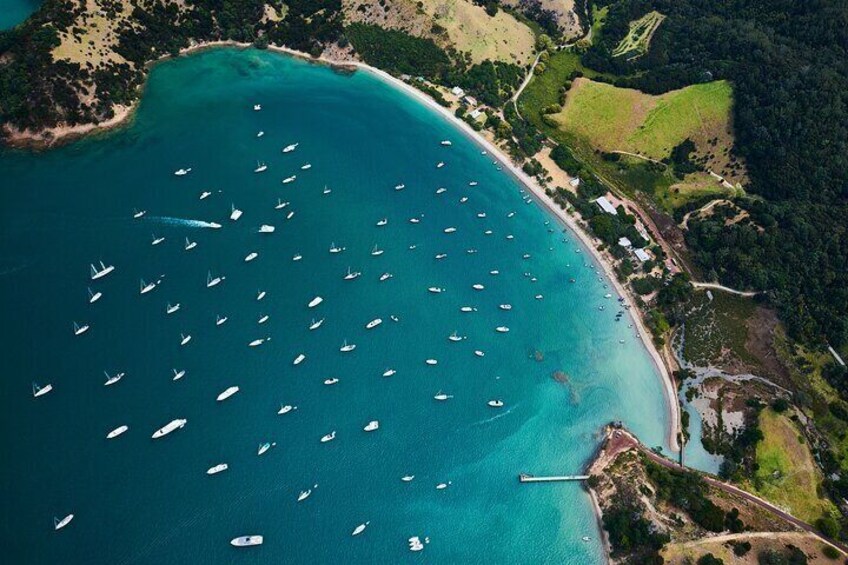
13 12
137 500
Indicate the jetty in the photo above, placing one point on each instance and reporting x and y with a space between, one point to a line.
525 478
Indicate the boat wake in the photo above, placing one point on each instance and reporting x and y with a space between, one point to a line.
493 418
167 220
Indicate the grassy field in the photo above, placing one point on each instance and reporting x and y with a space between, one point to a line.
544 89
638 38
717 329
470 29
787 474
598 18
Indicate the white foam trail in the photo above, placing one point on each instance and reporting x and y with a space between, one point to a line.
493 418
180 222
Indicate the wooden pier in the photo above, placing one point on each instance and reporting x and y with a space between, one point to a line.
525 478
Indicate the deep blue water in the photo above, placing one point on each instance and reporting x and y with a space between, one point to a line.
137 500
13 12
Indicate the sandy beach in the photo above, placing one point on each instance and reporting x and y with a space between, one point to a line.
58 134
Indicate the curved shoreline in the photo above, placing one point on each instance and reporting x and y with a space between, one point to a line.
53 136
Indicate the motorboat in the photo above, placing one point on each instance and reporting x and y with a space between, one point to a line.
505 307
262 319
467 309
400 186
260 133
260 295
443 486
290 148
440 256
285 409
227 393
455 337
138 214
205 194
495 403
450 230
40 390
329 437
383 222
171 426
436 289
407 478
299 359
389 372
463 200
385 276
101 271
440 164
441 396
247 541
331 381
315 302
116 432
256 342
182 172
415 544
373 323
502 329
373 425
235 213
257 107
287 180
359 529
473 183
478 286
431 362
266 228
297 257
446 143
290 215
440 190
250 256
479 353
304 494
220 467
414 220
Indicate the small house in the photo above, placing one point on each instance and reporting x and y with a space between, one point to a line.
642 255
606 206
470 100
625 243
575 182
457 91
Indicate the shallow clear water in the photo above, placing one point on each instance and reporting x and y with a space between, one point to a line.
13 12
142 501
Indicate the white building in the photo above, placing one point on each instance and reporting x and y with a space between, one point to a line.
471 101
457 91
625 243
606 206
642 255
475 113
575 182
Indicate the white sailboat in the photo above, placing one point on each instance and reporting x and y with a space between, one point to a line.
351 275
144 288
316 324
93 296
59 524
335 248
138 214
436 289
212 281
178 374
220 320
346 347
40 390
189 245
385 276
290 148
256 342
407 478
502 329
184 339
265 447
112 379
359 529
376 252
304 494
260 295
264 318
287 180
285 409
80 329
331 381
389 372
280 204
441 396
455 337
235 213
99 273
205 194
157 240
170 309
373 323
260 167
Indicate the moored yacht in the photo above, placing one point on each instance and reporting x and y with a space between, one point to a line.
304 494
217 469
359 529
446 143
169 427
144 287
247 541
171 308
389 372
346 347
157 240
182 172
407 478
336 248
184 339
299 359
329 437
80 329
59 524
351 275
280 204
290 148
212 281
102 271
220 320
502 329
316 324
266 228
450 230
138 214
235 213
205 194
112 379
373 323
93 296
178 374
383 222
262 319
505 306
331 381
189 245
251 256
315 302
40 390
455 337
495 403
260 167
287 180
264 447
441 396
260 295
227 393
285 409
385 276
117 431
372 426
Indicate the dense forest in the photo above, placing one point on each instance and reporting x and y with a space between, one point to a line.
788 63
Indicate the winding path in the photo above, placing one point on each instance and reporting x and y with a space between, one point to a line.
716 286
